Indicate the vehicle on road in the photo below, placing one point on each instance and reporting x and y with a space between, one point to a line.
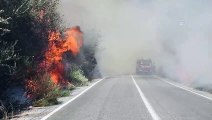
145 67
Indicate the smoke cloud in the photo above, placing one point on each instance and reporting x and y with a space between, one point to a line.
176 34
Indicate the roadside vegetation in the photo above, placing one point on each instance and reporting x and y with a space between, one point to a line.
76 76
25 27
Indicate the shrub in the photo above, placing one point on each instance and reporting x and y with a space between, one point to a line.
70 86
77 77
43 92
45 102
39 86
51 97
64 93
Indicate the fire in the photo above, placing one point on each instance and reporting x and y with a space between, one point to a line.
57 46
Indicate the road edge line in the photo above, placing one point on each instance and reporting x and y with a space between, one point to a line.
71 100
183 88
145 101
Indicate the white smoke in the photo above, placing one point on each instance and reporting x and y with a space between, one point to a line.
176 34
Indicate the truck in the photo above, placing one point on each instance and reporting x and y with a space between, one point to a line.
145 67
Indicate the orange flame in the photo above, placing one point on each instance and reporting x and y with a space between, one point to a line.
72 43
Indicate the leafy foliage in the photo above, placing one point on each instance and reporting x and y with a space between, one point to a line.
39 86
76 76
43 92
24 31
8 57
46 102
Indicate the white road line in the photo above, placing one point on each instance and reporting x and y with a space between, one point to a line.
147 104
63 105
178 86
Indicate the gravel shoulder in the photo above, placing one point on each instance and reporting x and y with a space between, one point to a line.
36 113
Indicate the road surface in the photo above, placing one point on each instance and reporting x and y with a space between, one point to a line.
136 98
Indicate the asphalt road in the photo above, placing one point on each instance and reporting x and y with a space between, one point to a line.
136 98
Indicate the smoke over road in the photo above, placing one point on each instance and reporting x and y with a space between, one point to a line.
175 34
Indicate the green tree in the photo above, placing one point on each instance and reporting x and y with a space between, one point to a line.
8 57
24 32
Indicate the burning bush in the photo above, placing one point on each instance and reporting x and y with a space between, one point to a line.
58 45
42 91
39 86
86 60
